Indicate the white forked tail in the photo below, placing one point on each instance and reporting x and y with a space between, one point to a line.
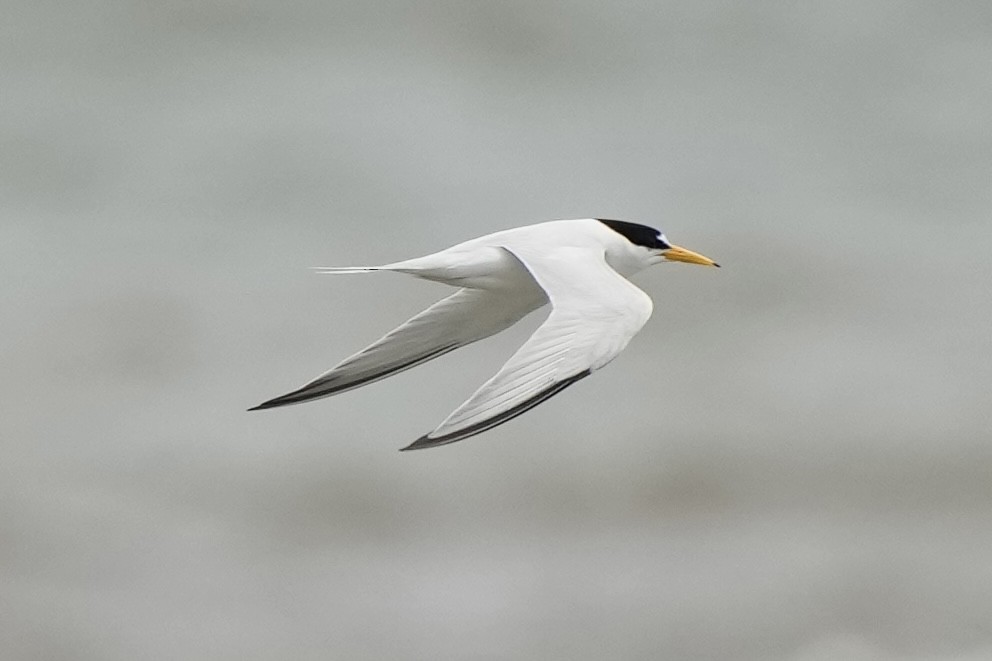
345 269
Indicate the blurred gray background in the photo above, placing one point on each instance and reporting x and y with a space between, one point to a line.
791 462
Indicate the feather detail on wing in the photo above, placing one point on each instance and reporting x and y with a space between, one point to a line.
595 312
464 317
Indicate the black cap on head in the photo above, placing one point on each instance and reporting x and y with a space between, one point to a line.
639 235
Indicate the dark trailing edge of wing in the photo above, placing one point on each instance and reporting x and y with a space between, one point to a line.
308 392
425 442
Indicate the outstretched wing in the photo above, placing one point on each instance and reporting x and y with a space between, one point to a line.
464 317
595 312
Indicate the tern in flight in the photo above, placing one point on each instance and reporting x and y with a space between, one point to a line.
579 266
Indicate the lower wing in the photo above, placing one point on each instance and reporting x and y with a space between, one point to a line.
595 312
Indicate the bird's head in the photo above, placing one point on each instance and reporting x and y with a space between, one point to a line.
650 246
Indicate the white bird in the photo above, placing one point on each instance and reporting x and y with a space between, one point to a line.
579 266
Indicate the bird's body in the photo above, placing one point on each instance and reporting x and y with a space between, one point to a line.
580 266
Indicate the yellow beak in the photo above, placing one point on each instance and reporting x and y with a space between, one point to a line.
680 254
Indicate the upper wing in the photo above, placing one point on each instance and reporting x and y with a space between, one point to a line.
595 312
462 318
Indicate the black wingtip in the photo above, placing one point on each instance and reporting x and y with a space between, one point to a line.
423 443
272 403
